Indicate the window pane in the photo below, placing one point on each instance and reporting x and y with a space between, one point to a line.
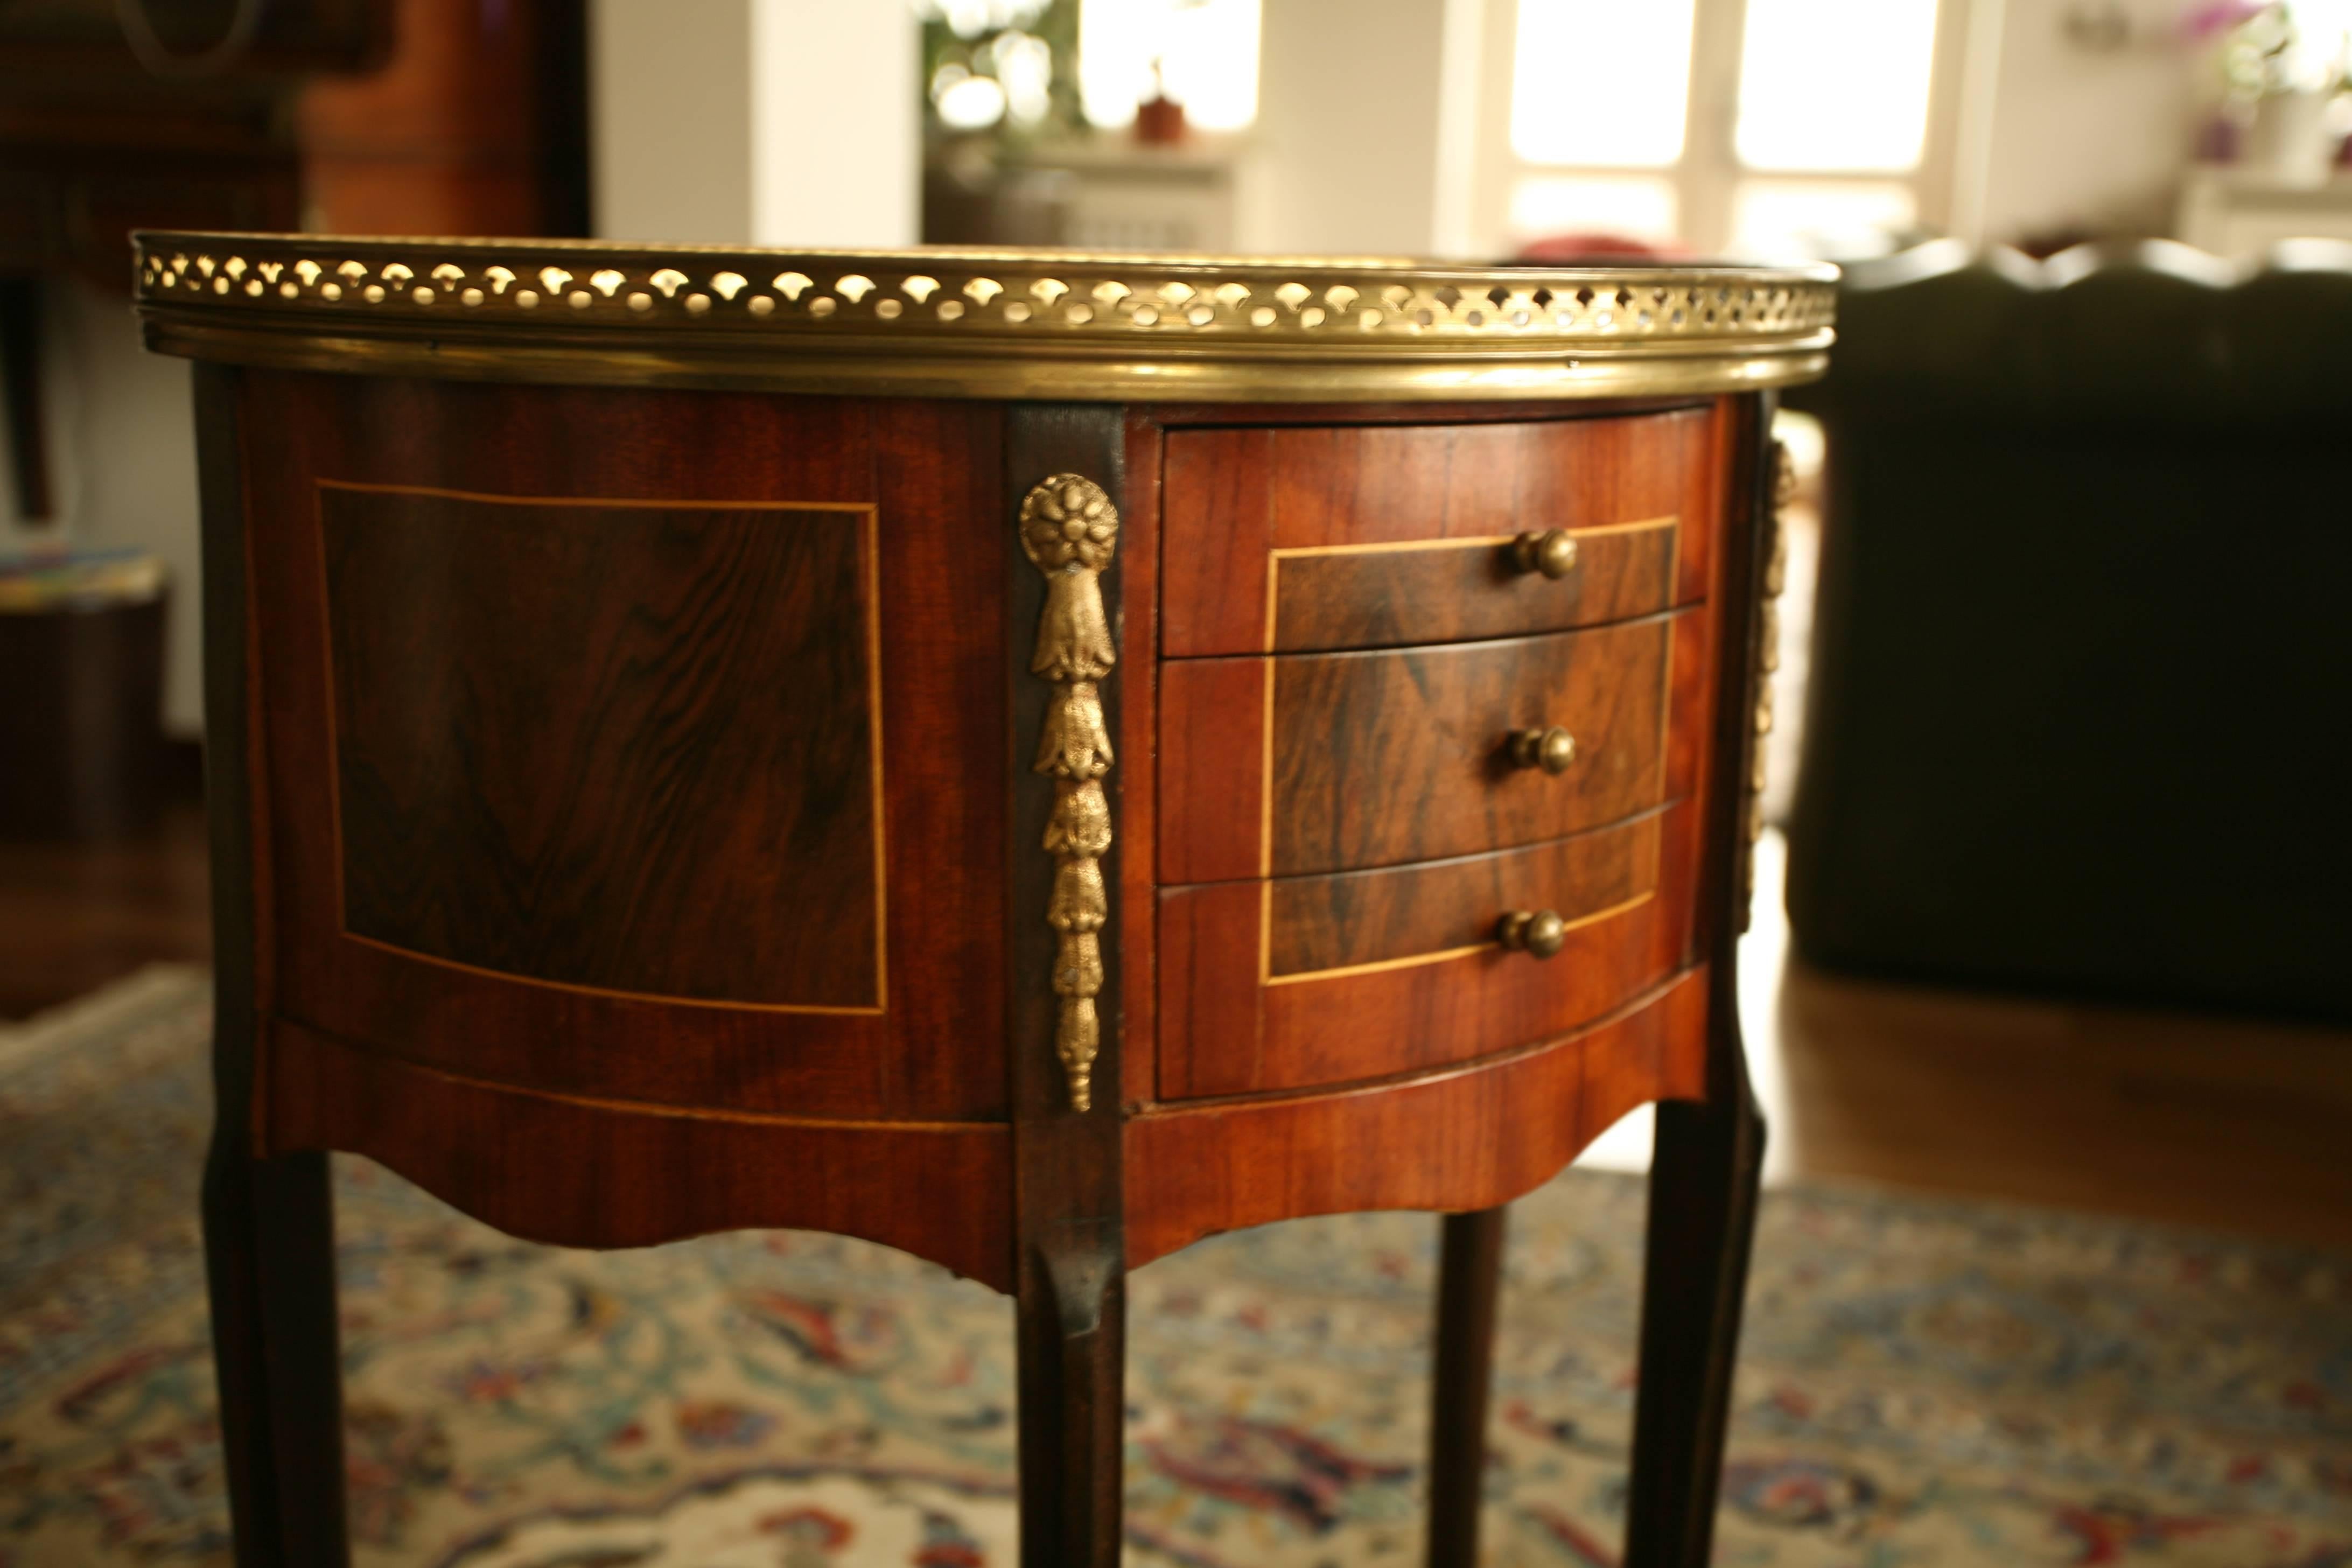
1784 219
1599 81
1633 206
1835 84
1207 51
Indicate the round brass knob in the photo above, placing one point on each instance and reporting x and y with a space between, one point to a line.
1541 933
1551 553
1551 750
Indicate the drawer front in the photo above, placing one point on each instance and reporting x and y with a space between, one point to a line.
1308 540
1299 983
1322 763
1355 921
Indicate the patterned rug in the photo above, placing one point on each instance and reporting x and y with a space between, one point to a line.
1924 1383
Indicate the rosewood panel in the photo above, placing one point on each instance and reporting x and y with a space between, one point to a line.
929 476
1468 1138
1238 498
1453 590
1383 758
1215 824
1228 1026
1322 926
629 748
577 1171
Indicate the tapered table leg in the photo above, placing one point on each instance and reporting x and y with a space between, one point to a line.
1073 1347
1469 1283
270 1264
1703 1182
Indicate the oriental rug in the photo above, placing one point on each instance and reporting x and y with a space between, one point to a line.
1924 1384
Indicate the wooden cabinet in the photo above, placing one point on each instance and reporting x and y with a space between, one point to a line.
1033 761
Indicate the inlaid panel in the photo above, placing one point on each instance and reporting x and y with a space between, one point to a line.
1307 763
628 747
1383 758
1356 920
1452 590
1378 536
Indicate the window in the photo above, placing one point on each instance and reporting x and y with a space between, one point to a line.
1765 128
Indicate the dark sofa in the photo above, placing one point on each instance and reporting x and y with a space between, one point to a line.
2080 719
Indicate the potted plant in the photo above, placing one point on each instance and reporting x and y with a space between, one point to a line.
2279 75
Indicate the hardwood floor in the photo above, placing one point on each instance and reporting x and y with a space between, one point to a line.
2225 1123
73 917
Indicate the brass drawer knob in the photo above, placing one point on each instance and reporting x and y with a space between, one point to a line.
1551 553
1551 750
1541 933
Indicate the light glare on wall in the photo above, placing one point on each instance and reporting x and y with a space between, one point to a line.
1206 49
1601 82
1835 85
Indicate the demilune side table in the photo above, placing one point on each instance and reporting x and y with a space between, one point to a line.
1029 758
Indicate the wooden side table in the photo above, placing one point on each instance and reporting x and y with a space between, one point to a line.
1033 759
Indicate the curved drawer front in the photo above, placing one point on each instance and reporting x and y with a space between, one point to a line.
1314 981
1354 922
1321 763
1315 539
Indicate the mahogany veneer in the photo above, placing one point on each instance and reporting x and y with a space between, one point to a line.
971 779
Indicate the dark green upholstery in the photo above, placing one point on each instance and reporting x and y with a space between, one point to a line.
2081 706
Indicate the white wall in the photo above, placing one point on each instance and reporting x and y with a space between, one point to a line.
670 100
1350 93
122 464
2076 138
787 122
836 124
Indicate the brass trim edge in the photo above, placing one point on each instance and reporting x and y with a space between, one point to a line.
979 324
1069 531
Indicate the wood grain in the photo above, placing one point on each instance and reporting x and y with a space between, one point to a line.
1140 787
1388 595
576 1171
268 1221
1467 1138
1317 925
1221 1035
629 748
1212 775
930 470
1234 496
1385 758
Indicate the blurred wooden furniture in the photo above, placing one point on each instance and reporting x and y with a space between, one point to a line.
1034 760
81 638
379 116
2083 529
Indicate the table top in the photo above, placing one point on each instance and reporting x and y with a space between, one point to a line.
1014 324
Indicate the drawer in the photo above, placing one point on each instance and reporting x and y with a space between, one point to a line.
1306 982
1308 540
1311 764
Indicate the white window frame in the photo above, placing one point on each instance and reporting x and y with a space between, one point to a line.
1708 177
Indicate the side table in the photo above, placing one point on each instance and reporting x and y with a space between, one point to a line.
1033 759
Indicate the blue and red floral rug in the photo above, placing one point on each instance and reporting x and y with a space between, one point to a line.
1925 1384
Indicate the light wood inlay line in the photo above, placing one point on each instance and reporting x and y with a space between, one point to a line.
1418 959
1276 557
